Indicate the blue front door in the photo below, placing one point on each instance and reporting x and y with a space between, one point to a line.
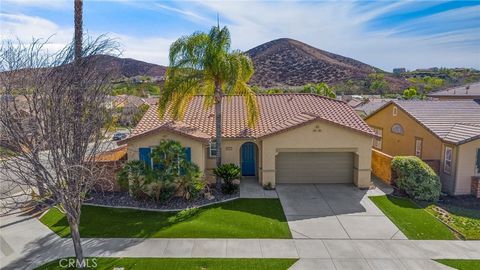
248 159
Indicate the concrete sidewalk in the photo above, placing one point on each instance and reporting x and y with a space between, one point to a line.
342 254
26 243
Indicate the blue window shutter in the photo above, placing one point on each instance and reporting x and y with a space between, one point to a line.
188 157
144 155
188 153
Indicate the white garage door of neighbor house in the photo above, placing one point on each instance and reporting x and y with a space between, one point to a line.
314 167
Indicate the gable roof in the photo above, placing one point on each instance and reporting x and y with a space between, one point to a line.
453 121
469 90
372 106
277 112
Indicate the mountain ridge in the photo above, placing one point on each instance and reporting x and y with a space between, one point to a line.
287 62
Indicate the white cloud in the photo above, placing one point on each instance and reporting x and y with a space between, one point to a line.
152 50
25 28
338 27
187 13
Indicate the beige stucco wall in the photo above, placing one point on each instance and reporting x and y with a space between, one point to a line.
231 154
404 145
448 179
319 136
198 148
465 166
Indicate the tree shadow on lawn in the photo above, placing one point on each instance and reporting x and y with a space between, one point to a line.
230 219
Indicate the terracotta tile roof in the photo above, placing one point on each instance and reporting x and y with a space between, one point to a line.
455 121
277 113
112 155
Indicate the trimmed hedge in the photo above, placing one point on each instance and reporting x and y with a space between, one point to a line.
416 178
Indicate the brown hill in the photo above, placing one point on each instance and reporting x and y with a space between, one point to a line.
287 62
127 67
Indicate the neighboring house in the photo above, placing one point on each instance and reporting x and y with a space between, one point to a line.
445 134
470 91
127 108
399 71
299 138
356 102
371 106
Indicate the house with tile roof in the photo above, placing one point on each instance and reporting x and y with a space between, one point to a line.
469 91
298 138
445 134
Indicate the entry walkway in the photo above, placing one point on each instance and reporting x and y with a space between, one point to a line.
250 188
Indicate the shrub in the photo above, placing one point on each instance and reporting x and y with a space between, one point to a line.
416 178
171 174
228 172
268 186
169 156
191 183
132 176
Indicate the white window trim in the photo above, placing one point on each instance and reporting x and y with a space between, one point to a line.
394 111
477 169
449 171
421 146
378 132
210 149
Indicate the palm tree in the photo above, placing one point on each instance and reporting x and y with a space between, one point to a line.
203 64
321 89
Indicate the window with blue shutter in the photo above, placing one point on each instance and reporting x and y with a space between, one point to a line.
188 153
157 165
144 155
188 157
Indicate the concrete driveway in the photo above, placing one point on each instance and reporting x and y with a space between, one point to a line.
334 211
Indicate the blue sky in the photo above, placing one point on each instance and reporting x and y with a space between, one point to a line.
386 34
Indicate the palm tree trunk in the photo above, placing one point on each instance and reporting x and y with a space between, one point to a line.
218 130
78 37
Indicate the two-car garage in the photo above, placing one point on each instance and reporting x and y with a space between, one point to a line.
314 167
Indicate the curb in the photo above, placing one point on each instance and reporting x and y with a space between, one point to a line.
160 210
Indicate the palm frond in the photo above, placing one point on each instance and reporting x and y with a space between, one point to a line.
200 61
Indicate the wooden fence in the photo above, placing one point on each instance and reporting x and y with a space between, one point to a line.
381 166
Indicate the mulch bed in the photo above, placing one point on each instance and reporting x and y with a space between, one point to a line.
465 201
175 203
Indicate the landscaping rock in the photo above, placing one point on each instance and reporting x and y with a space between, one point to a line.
123 199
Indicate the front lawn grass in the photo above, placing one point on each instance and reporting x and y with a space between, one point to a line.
412 220
241 218
465 221
182 264
461 264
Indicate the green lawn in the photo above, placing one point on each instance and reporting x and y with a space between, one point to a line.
182 264
241 218
412 220
461 264
465 221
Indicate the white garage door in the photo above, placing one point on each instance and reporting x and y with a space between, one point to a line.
314 167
